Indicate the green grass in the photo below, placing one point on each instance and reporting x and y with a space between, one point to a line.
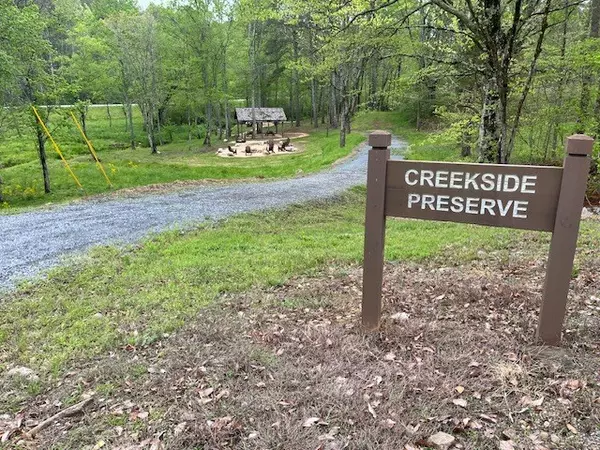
133 296
178 160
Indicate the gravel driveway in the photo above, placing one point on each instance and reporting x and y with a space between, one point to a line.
35 241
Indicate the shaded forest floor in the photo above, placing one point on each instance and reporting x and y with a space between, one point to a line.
289 367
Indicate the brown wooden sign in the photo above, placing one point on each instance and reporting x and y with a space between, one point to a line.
525 197
496 195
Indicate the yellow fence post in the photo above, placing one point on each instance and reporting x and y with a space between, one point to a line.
35 111
91 147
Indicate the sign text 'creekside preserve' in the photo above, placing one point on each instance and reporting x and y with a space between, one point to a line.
525 197
497 195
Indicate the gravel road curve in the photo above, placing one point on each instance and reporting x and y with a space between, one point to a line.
32 242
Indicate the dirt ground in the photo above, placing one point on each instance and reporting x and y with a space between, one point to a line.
289 368
259 146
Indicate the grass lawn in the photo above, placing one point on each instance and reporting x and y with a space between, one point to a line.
245 334
178 160
133 296
254 320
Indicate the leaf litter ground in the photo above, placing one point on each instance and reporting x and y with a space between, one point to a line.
453 366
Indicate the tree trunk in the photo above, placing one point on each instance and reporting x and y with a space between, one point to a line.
226 95
108 115
296 78
189 121
252 32
208 124
594 32
41 144
561 82
129 114
150 131
344 109
584 101
507 141
158 129
503 140
219 121
333 114
493 110
82 116
372 101
489 137
313 99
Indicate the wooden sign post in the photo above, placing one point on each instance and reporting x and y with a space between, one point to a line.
524 197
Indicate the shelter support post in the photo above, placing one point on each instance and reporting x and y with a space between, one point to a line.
564 238
375 228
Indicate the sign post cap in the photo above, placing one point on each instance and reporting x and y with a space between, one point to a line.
380 139
580 144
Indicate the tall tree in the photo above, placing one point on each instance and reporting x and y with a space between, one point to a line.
137 43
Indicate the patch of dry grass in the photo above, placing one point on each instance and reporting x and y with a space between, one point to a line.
289 368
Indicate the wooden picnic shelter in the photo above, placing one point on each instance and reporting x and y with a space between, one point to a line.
260 116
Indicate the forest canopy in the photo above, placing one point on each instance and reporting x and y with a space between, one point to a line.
493 74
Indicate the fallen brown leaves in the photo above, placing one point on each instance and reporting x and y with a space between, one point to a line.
452 367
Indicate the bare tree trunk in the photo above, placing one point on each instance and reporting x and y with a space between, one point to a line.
584 101
507 142
252 32
321 109
129 114
296 78
208 124
219 122
150 131
41 141
313 99
561 81
594 33
189 121
344 107
82 117
372 101
158 129
333 114
108 115
128 109
226 95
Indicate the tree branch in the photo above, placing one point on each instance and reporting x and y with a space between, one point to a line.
527 86
459 15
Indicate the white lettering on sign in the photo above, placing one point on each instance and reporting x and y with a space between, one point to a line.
474 181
